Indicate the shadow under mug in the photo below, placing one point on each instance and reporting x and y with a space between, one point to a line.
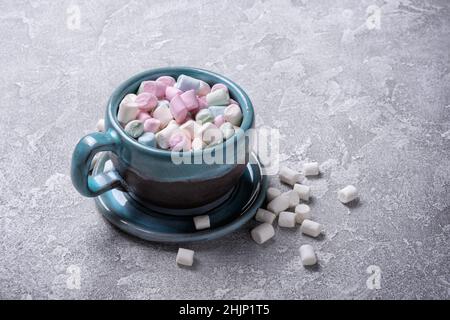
149 175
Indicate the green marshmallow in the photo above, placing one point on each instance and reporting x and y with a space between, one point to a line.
134 128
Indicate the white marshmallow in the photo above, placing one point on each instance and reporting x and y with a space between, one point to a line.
294 198
198 144
128 110
218 97
311 228
286 219
100 125
202 222
264 216
163 136
185 257
307 255
311 169
163 114
272 193
210 134
302 212
289 176
233 114
191 128
227 130
278 204
349 193
262 233
303 191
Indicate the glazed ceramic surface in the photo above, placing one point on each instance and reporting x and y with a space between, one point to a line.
149 174
134 218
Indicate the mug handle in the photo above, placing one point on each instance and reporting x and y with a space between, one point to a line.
87 147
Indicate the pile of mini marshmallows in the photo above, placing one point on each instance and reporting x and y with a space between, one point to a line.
278 205
181 115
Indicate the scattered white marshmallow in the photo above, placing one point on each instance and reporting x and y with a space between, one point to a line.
303 191
294 199
202 222
263 215
308 255
289 176
311 228
100 125
286 219
280 203
262 233
311 169
185 257
302 212
272 193
348 194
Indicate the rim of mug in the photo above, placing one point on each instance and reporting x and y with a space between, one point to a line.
132 84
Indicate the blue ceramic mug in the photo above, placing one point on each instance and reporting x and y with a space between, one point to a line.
149 174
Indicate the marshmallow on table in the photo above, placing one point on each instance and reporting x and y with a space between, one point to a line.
289 176
186 83
148 139
272 193
294 198
185 257
227 130
262 233
178 109
302 212
278 204
307 255
163 136
100 125
190 100
348 194
204 116
171 92
311 169
128 110
152 125
198 144
163 114
311 228
134 128
156 87
203 89
233 114
210 134
219 97
202 222
286 219
146 101
265 216
167 80
303 191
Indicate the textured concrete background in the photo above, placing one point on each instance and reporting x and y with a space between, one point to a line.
373 106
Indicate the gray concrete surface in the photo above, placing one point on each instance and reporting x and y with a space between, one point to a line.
372 106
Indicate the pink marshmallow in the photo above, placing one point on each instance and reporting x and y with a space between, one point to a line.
218 86
204 89
167 80
178 109
142 116
190 100
202 104
219 120
155 87
233 102
171 92
179 142
152 125
146 101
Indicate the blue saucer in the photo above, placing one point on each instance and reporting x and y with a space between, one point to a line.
135 218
